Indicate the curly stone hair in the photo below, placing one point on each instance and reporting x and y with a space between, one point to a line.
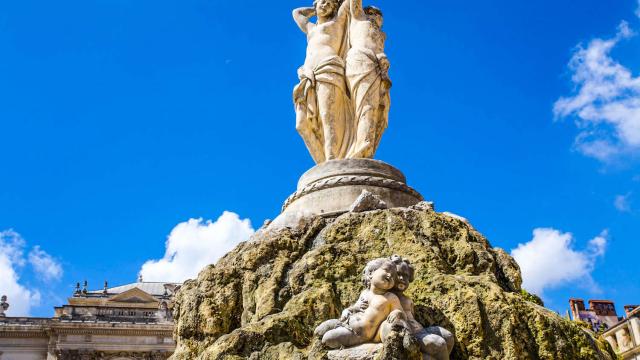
372 10
398 260
371 267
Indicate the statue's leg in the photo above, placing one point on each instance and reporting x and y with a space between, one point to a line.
306 131
341 337
368 115
327 326
367 133
444 333
330 107
433 345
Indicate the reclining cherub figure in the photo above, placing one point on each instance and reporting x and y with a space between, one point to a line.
371 319
435 342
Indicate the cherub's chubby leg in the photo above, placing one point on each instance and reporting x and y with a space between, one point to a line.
341 337
326 327
444 333
433 345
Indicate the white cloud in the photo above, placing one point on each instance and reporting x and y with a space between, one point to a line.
12 260
549 260
194 244
606 104
623 203
45 265
638 9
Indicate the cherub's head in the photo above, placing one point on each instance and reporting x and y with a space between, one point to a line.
374 15
379 274
405 272
326 8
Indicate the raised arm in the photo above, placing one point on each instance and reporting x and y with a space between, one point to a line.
302 17
343 11
357 12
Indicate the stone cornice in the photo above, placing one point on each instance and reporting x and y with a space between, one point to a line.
83 328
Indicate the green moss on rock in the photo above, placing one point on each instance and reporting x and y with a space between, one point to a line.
263 300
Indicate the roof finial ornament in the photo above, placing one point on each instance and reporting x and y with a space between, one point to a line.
140 278
106 287
4 305
77 292
84 287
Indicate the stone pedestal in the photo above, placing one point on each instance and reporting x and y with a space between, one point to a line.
330 188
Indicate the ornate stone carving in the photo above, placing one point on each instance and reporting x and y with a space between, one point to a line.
342 101
4 305
371 318
381 309
349 181
102 355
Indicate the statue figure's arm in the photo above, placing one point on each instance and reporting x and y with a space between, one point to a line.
357 12
302 17
343 12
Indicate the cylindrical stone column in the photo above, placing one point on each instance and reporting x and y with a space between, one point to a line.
635 326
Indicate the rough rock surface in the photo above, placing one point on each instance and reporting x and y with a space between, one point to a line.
367 201
263 299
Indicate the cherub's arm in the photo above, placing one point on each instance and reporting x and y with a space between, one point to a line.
357 12
361 305
302 17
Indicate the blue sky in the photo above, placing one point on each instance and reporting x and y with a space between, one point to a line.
122 120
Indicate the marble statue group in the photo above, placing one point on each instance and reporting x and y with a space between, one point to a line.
342 101
382 306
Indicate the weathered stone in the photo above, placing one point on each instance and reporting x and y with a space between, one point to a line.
264 298
362 352
331 188
367 201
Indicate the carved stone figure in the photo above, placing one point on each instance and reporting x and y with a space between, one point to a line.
4 305
371 319
367 76
324 116
435 342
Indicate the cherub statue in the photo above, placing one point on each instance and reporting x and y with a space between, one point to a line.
372 318
436 343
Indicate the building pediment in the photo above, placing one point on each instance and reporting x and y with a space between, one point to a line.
133 296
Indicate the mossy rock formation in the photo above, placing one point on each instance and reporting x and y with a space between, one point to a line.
264 299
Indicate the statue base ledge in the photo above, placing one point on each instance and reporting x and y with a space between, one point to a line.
331 188
362 352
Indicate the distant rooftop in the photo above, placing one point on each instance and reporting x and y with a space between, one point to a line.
151 288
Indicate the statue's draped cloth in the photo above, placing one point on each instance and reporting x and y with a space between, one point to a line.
329 72
369 86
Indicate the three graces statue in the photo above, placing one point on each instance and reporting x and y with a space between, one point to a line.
342 101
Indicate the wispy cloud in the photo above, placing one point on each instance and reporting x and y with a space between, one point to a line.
623 203
12 261
606 103
194 244
550 260
45 265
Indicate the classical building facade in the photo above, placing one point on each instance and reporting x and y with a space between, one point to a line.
131 322
625 336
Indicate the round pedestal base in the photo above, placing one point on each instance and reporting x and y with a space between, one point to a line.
330 188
